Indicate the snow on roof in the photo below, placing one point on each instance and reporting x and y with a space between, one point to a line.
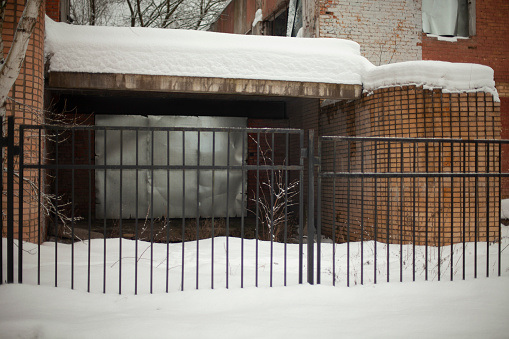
451 77
175 52
152 51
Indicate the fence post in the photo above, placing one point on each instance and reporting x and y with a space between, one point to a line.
311 207
10 200
2 145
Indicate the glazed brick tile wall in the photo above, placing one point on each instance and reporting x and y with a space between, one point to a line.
388 31
393 208
25 104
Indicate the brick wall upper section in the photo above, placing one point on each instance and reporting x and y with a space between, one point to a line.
26 96
53 9
488 47
388 31
238 16
430 211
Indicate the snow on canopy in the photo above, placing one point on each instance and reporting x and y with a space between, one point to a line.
451 77
173 52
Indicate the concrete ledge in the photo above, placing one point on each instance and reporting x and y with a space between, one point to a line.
177 84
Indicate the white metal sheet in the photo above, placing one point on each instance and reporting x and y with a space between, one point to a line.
175 191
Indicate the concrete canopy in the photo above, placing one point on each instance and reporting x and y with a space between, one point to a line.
202 85
178 61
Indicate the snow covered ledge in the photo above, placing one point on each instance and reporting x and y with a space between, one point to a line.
149 59
449 77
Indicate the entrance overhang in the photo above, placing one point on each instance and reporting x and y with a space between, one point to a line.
202 85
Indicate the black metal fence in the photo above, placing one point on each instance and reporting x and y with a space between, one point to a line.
424 203
148 209
198 185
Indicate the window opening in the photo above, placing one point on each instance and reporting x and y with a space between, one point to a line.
448 17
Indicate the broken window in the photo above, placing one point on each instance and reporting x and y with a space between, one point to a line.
294 18
448 17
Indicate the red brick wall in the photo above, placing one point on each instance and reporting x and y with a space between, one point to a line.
25 103
488 47
238 16
438 207
53 9
504 115
388 31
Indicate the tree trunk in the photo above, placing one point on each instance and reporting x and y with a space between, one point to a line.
9 70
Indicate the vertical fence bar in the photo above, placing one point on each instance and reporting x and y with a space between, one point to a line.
89 139
362 213
376 212
476 208
439 208
452 212
388 206
487 161
227 208
57 141
413 211
319 218
20 198
272 190
104 211
427 214
39 191
213 209
401 216
136 218
257 204
348 192
499 208
2 203
401 196
183 206
286 163
198 212
464 206
73 161
244 135
167 219
120 215
10 200
152 211
301 207
311 205
334 143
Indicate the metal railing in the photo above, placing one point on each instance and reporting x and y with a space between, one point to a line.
413 197
148 209
85 195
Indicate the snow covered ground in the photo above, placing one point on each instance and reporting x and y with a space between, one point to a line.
472 308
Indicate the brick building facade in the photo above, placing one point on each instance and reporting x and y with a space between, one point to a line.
26 102
389 32
26 99
396 111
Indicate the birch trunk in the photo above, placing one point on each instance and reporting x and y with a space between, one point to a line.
10 67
